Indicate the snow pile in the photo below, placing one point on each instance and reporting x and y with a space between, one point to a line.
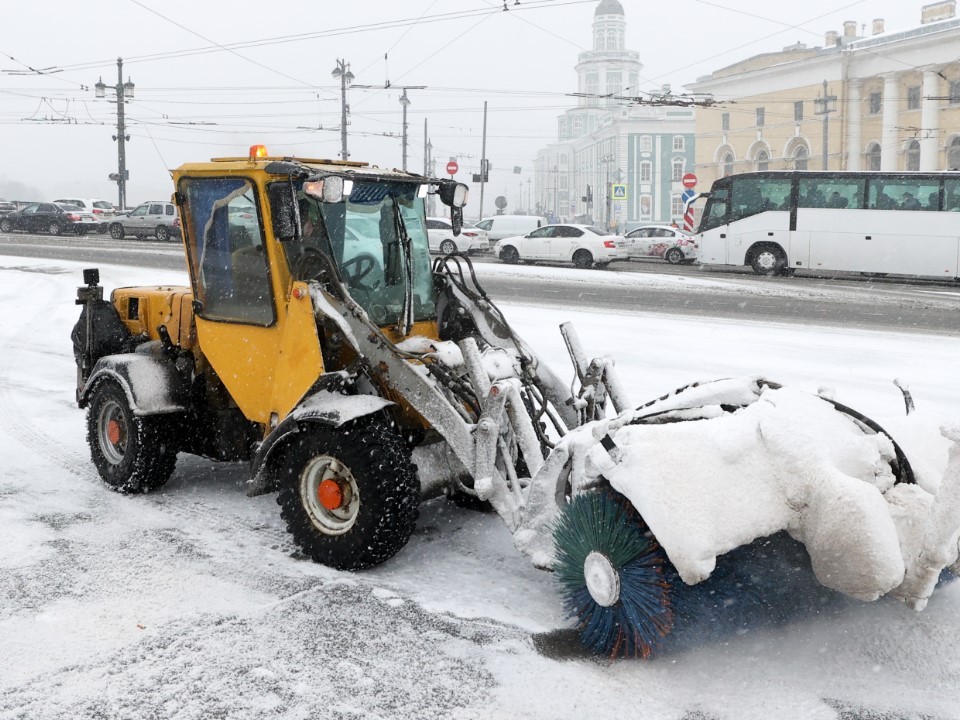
786 460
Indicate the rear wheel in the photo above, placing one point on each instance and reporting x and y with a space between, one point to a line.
133 454
448 247
349 495
116 231
510 255
6 226
54 228
674 256
768 260
582 259
102 228
162 233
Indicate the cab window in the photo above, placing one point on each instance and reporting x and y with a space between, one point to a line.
230 269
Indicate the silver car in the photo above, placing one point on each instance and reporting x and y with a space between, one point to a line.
155 218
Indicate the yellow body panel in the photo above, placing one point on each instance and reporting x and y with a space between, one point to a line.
267 370
144 309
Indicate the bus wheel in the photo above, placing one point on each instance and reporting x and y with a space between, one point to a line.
768 260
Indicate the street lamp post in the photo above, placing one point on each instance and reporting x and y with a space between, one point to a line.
824 106
405 101
124 91
342 71
607 160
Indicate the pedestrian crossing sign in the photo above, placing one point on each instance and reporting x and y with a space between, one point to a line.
619 192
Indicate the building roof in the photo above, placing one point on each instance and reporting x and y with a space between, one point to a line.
609 7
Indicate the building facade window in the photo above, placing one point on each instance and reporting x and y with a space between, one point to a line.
646 206
646 143
801 157
955 92
676 206
726 163
913 155
798 111
577 125
913 98
876 103
678 143
646 172
763 160
678 165
760 117
873 156
725 121
953 154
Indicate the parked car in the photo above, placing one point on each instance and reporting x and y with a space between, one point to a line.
583 245
156 218
663 241
54 218
103 209
442 240
503 226
7 207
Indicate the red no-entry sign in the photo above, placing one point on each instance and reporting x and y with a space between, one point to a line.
452 168
689 180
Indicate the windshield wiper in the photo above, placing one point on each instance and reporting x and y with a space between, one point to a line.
405 318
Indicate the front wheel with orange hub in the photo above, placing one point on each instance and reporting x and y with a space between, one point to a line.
349 495
132 453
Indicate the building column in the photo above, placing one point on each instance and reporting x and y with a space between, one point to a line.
930 122
854 111
889 150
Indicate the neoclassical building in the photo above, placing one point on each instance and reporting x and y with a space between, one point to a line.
877 101
607 145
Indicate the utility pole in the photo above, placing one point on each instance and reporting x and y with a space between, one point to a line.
124 90
824 106
426 149
342 71
405 101
483 158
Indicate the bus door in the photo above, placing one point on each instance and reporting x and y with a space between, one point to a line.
759 215
831 215
713 227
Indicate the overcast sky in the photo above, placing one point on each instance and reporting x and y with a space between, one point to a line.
219 99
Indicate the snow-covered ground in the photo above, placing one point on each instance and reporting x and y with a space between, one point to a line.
192 603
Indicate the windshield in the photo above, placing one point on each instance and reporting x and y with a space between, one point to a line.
364 238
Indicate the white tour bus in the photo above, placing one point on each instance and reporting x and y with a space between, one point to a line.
869 222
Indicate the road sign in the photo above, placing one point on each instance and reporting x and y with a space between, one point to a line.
500 202
618 191
689 180
452 167
687 195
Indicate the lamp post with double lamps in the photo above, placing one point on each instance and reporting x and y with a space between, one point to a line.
342 71
124 91
824 106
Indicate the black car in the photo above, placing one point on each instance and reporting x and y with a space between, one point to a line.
53 218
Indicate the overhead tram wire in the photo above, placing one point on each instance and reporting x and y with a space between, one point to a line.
349 30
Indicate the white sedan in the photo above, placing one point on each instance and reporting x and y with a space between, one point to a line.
442 240
583 245
663 241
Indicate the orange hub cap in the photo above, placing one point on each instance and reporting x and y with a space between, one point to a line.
113 432
330 495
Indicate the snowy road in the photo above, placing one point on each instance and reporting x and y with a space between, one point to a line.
192 603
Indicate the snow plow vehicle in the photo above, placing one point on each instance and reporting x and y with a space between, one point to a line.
319 342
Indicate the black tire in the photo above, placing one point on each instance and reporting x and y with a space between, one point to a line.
448 247
583 259
132 454
80 230
6 226
375 482
768 260
674 256
163 235
509 255
54 228
103 228
116 231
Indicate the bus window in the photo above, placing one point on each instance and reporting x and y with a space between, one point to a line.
831 193
715 213
752 195
951 195
901 193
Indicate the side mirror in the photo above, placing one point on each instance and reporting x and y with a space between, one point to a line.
456 220
453 194
283 211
